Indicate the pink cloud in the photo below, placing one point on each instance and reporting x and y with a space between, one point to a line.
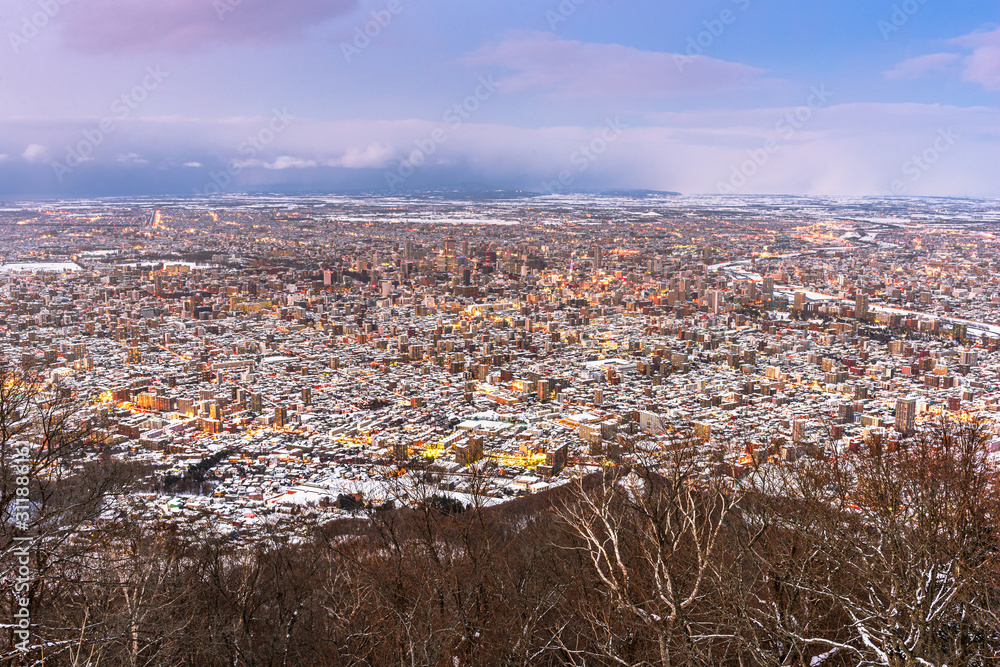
914 68
983 66
573 69
123 26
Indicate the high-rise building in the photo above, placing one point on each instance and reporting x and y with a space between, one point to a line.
449 246
798 431
800 302
597 257
861 306
768 286
906 414
280 417
714 301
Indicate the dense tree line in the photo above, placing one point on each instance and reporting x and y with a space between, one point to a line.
886 556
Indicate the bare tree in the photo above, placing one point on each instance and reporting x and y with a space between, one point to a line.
54 492
650 532
897 542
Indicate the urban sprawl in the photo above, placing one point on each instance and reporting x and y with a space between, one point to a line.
275 358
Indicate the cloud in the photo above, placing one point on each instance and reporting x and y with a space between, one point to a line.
195 165
131 158
281 162
914 68
34 153
983 65
136 26
839 149
573 69
375 155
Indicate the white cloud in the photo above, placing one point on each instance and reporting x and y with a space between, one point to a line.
572 69
131 158
195 165
375 155
914 68
34 153
983 66
281 162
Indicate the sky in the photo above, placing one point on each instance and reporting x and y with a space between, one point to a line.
855 97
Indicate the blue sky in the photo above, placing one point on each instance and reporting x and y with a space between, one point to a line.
731 96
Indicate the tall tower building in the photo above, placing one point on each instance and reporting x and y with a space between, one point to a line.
861 306
714 301
800 302
906 414
798 431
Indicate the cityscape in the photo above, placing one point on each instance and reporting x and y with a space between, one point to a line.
515 333
304 353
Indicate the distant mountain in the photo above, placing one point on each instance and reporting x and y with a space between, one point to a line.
634 193
639 193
